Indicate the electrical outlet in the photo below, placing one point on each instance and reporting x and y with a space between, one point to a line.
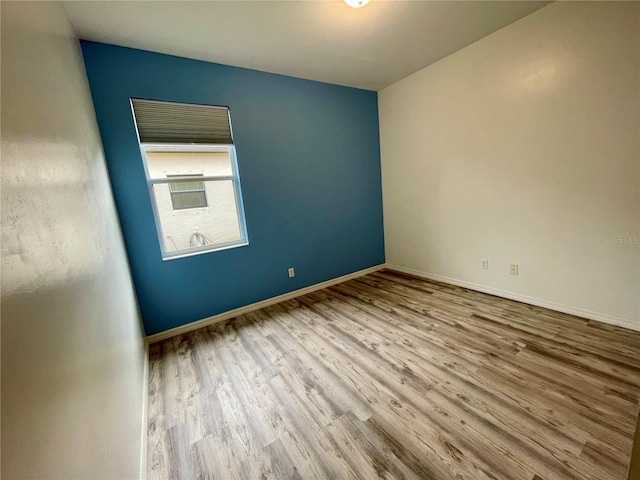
292 272
484 263
513 270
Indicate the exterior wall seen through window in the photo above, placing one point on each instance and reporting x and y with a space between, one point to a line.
210 214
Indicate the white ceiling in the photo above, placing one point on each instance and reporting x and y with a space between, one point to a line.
370 47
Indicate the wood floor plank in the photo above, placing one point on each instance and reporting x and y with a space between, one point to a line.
157 455
325 404
252 353
272 463
393 376
532 398
430 455
509 445
359 453
346 392
319 448
179 448
601 461
249 399
244 436
212 458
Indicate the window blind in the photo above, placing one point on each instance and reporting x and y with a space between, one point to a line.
168 122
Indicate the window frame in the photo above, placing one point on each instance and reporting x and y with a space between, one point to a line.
235 181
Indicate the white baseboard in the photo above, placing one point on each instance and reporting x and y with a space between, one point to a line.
145 413
580 312
221 317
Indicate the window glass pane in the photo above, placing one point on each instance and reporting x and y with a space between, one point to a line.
165 161
185 186
188 200
186 228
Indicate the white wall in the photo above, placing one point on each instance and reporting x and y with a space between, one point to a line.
524 148
72 346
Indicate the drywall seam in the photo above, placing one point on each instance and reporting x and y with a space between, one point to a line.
258 305
580 312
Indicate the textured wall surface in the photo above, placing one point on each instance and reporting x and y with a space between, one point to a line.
72 341
309 162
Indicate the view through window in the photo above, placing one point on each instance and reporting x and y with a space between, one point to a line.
194 213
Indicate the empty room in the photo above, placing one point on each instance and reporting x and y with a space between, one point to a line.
323 239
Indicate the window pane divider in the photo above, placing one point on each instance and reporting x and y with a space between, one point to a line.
199 178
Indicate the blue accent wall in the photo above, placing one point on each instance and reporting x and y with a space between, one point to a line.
309 162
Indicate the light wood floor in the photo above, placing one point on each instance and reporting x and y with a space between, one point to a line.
395 377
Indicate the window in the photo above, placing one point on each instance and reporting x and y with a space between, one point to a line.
192 176
187 194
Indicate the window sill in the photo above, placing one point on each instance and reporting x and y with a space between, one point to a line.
178 255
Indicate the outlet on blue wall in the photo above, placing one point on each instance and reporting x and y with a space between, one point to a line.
309 162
